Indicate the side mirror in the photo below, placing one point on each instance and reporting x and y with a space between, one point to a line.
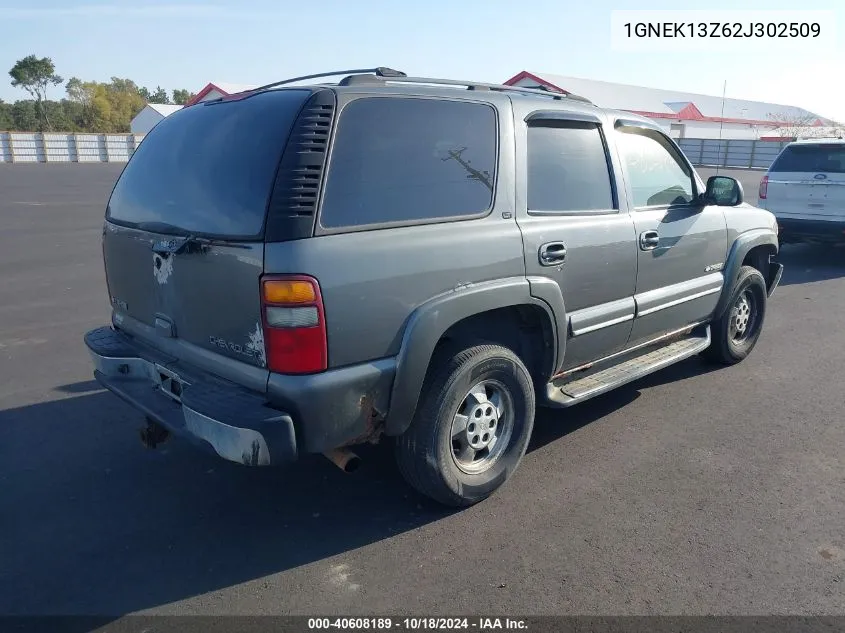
723 191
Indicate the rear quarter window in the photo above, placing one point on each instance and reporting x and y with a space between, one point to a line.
406 160
813 158
209 169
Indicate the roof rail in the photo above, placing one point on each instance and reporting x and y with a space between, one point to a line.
469 85
380 71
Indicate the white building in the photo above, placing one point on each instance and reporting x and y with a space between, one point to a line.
683 114
152 113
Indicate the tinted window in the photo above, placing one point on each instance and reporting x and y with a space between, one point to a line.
400 160
656 173
811 158
567 169
209 168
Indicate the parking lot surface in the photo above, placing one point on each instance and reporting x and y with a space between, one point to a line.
693 491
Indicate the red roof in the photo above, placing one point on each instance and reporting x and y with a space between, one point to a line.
211 87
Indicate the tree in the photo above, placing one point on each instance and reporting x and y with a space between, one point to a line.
5 116
795 125
35 75
82 93
25 116
159 96
181 96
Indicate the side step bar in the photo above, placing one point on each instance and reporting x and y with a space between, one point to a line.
565 394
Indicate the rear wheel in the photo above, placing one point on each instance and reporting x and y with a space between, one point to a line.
736 332
472 425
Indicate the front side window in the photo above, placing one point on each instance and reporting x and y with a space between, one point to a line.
657 176
399 160
567 168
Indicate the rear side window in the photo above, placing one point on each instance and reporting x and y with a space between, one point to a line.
398 160
208 169
811 158
567 168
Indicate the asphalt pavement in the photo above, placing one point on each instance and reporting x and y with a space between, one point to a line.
693 491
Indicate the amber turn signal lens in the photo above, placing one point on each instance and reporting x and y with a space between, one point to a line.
278 291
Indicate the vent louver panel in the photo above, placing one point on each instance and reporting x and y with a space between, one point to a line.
297 189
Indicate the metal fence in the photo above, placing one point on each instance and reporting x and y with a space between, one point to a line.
31 147
740 153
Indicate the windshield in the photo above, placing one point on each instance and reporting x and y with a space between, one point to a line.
208 169
811 158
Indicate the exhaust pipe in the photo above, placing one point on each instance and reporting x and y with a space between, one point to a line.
153 434
344 459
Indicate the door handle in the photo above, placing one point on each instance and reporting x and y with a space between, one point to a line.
649 240
552 253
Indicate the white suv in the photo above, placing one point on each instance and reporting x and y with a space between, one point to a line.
805 190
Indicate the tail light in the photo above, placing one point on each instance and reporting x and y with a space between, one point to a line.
764 187
294 324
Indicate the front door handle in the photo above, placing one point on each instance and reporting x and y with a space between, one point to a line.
552 253
649 240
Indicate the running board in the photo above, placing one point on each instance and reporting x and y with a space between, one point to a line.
565 394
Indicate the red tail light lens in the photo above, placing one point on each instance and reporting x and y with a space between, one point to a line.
294 324
764 187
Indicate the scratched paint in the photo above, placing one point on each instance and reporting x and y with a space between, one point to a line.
162 268
256 344
339 576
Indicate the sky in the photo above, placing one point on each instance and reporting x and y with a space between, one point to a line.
187 43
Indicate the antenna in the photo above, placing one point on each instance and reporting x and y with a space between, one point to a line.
721 123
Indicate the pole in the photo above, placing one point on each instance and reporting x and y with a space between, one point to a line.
721 123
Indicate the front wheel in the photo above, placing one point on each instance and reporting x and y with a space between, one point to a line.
735 333
471 428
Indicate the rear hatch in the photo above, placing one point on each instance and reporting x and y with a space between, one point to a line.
807 181
183 242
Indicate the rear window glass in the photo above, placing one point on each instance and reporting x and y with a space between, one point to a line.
407 159
208 169
567 168
811 158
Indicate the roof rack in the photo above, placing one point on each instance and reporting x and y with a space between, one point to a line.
382 74
380 71
361 78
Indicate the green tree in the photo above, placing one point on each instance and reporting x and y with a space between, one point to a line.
5 116
124 102
25 116
35 75
82 94
159 96
181 96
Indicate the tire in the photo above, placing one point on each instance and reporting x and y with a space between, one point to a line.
426 453
731 342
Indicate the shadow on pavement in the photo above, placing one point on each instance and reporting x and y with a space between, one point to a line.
94 524
807 263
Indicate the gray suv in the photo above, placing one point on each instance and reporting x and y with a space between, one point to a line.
302 268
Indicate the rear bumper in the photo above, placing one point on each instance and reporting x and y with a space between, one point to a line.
235 423
797 230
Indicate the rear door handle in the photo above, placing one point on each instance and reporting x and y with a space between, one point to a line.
552 253
649 240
